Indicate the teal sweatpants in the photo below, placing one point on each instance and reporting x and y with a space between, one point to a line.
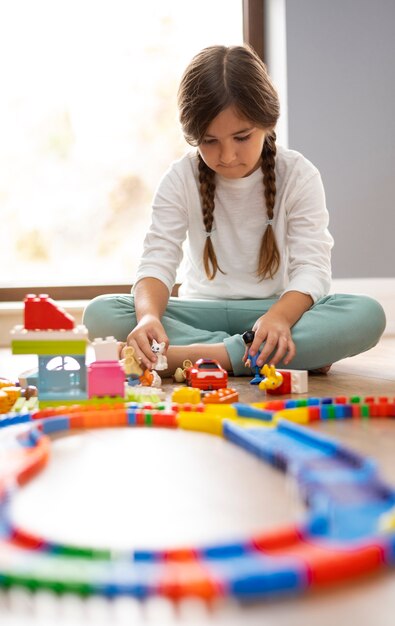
335 327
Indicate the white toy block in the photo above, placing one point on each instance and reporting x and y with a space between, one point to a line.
105 349
19 333
299 381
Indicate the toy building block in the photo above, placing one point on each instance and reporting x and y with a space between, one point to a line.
106 378
46 342
191 395
42 313
294 381
221 396
61 378
299 381
8 397
272 379
285 386
105 349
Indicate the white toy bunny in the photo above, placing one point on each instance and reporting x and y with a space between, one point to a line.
158 349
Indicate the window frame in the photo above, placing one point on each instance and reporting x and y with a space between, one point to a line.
253 12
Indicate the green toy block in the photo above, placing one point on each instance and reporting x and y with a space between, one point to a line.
49 348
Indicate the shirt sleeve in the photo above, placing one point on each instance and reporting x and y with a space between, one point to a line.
309 241
162 252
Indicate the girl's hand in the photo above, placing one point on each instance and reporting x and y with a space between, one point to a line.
141 337
274 330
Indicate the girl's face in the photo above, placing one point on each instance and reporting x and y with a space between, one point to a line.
232 145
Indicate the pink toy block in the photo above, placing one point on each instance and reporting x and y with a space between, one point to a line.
106 378
42 313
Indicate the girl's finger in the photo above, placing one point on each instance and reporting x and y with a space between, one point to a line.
143 351
282 350
291 352
267 350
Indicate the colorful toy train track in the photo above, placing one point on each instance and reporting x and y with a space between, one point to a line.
348 531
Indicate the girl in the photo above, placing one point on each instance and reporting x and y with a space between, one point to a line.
257 248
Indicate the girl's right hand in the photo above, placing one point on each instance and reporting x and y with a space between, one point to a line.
141 337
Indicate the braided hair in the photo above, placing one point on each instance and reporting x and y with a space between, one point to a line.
219 77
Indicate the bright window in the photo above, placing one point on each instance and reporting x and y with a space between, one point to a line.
88 125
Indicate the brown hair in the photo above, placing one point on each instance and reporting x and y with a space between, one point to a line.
219 77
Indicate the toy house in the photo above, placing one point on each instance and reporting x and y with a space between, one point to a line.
63 376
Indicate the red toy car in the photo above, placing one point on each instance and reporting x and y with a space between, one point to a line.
206 374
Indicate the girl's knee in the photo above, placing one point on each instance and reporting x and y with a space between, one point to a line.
109 315
93 315
369 318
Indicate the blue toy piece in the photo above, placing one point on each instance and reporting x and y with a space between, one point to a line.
248 338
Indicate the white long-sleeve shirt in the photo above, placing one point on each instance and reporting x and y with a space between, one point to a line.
300 222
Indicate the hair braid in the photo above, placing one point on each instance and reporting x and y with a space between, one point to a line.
207 190
269 256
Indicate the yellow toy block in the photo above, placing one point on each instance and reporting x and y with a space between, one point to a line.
299 415
8 397
222 410
204 422
183 395
247 422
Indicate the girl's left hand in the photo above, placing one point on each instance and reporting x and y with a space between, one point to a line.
275 331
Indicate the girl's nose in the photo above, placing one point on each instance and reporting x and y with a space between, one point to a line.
227 154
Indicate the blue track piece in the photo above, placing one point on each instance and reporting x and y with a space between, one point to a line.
9 419
55 424
34 436
224 551
334 481
131 413
343 411
313 401
248 439
278 447
245 410
146 556
308 437
139 581
351 523
257 576
334 469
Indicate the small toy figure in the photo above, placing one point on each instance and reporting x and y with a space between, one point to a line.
273 378
131 366
150 378
158 349
248 338
180 373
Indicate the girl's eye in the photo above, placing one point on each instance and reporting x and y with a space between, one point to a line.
244 138
208 142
